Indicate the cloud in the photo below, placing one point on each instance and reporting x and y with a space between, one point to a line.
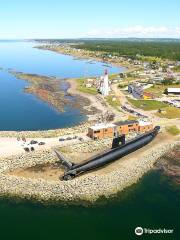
136 31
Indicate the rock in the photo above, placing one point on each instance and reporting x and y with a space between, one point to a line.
87 188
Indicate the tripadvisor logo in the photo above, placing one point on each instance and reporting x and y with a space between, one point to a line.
139 231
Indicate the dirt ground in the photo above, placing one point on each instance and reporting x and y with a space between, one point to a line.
55 171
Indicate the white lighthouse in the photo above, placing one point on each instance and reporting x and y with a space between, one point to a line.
104 86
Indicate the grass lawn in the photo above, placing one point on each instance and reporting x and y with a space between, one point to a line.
176 69
158 90
131 117
114 75
82 88
147 104
169 112
173 130
115 104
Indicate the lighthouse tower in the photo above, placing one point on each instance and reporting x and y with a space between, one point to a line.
105 84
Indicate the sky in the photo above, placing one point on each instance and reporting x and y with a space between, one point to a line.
20 19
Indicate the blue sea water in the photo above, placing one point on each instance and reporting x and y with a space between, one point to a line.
152 203
22 111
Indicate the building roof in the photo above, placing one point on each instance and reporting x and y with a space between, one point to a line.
126 122
148 94
176 90
144 123
102 126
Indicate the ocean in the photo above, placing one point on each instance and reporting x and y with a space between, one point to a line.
23 111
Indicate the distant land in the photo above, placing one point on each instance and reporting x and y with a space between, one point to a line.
113 39
165 48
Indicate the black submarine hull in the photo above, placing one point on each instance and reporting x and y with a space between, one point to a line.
112 154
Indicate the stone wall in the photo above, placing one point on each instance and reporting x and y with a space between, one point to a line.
48 133
88 187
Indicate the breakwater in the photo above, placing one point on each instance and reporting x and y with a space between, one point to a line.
87 188
83 127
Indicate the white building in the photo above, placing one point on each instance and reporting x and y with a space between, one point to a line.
175 91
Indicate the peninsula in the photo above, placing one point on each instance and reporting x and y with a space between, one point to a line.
136 100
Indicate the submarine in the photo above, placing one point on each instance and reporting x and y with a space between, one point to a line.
120 148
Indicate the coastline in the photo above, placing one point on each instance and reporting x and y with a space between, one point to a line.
95 107
128 67
88 188
85 189
96 101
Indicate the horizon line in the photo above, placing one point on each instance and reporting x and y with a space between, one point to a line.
54 38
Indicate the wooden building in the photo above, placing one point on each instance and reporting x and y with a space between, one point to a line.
124 127
145 126
100 131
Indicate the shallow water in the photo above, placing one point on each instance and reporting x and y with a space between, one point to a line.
152 203
22 111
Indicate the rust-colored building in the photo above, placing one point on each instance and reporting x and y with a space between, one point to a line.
147 95
124 127
100 131
145 126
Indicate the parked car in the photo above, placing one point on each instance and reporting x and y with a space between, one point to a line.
68 138
33 142
81 139
26 149
41 143
61 139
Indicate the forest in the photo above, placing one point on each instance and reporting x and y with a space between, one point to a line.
162 49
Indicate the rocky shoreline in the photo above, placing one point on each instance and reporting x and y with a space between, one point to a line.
169 164
85 189
87 55
82 127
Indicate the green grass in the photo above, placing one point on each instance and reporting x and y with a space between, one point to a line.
169 112
115 104
176 69
130 117
158 90
122 85
147 104
113 75
82 88
173 130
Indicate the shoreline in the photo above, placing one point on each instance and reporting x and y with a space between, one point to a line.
128 67
86 189
97 106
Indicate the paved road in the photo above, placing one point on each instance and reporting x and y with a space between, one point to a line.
124 102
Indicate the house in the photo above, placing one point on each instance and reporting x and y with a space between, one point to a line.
88 85
136 90
124 127
147 95
174 91
145 126
100 131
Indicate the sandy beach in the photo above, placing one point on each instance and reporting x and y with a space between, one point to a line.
96 101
